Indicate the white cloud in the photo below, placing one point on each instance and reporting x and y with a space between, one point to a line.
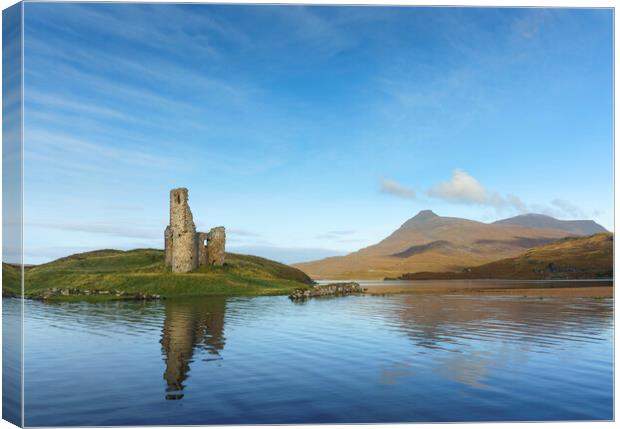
387 186
461 188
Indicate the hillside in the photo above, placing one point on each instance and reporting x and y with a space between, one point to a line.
142 271
570 258
11 284
428 242
533 220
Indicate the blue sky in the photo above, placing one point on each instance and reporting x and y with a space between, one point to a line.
309 131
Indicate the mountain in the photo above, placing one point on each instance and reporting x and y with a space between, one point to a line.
428 242
534 220
569 258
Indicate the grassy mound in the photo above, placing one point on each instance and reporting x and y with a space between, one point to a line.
143 271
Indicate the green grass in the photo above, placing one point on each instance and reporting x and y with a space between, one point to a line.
143 271
11 280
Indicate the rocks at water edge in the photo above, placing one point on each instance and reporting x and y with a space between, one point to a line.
50 293
332 289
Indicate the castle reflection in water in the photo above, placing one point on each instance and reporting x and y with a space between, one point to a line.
189 325
431 323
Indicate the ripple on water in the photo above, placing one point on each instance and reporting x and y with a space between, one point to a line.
354 359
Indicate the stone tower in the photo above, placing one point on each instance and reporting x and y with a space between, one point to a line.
186 249
180 236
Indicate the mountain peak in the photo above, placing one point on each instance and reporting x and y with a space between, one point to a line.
533 215
422 216
425 215
537 220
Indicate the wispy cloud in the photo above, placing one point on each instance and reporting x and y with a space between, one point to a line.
110 89
338 235
149 26
392 187
568 208
241 232
529 25
40 254
314 31
54 102
287 255
63 145
115 230
462 188
562 208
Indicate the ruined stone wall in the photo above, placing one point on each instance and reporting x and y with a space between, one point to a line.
216 246
186 249
184 253
184 245
202 249
168 246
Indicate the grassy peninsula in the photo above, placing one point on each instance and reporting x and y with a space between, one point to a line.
116 274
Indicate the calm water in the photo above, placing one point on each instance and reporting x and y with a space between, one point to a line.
355 359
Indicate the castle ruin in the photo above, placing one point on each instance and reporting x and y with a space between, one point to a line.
187 249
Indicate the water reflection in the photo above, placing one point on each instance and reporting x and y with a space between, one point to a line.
189 325
441 322
457 327
453 328
408 358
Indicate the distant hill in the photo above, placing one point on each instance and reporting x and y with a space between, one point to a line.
428 242
11 280
570 258
534 220
143 271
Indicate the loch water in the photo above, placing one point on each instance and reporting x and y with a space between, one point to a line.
244 360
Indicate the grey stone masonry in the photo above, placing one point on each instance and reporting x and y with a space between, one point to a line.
185 248
202 249
216 243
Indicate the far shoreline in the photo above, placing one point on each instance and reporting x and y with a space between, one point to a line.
503 288
581 288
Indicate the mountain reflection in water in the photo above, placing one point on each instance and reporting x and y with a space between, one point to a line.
516 325
357 359
431 322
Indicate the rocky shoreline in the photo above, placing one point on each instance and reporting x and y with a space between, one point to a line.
64 292
332 289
